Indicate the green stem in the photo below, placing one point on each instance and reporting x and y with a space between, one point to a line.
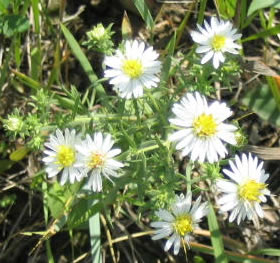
152 147
188 175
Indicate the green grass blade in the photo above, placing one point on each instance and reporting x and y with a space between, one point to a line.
36 15
179 31
201 12
46 217
267 252
170 48
233 257
260 4
216 237
31 83
144 12
79 54
94 231
263 34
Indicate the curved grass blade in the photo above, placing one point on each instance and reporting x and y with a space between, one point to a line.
79 54
144 12
216 237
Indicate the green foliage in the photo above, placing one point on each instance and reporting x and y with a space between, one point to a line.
263 34
261 101
267 251
58 196
7 200
260 4
13 24
226 8
4 4
77 51
154 171
216 237
144 12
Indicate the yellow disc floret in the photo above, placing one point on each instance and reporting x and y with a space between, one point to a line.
133 68
218 42
251 190
183 224
205 125
66 156
96 160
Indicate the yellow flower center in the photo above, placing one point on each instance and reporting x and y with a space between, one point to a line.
183 225
251 190
96 160
205 125
218 42
133 68
66 156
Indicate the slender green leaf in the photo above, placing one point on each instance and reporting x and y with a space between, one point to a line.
170 48
267 251
46 216
216 237
260 4
95 234
263 34
31 83
36 15
233 257
35 63
144 12
202 7
79 54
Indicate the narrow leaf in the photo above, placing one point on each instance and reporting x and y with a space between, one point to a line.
79 54
144 12
216 237
260 4
263 34
268 252
234 257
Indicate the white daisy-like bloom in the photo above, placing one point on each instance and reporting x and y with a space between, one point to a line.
132 70
245 191
62 156
97 159
202 128
178 224
216 39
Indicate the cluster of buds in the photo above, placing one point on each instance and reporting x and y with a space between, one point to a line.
99 39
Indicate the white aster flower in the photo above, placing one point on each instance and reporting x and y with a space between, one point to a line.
97 159
133 70
62 156
243 195
216 39
203 128
178 224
